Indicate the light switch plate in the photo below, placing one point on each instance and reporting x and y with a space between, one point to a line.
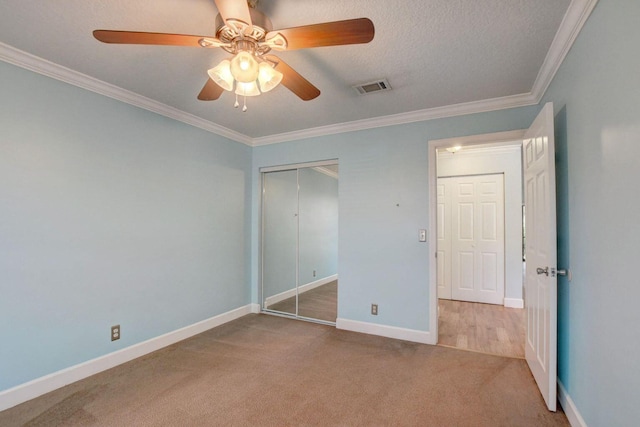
423 235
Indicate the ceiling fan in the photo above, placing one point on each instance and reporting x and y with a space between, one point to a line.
247 34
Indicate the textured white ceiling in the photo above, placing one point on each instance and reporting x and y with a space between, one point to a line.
434 53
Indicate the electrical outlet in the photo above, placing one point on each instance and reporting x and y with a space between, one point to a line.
314 273
374 309
115 332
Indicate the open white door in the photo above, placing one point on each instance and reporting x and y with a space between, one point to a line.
541 297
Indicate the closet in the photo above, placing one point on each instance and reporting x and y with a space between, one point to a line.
299 251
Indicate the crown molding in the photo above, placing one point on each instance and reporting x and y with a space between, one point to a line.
574 19
576 16
474 107
50 69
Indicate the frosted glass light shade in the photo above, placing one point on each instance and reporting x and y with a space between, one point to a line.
247 89
244 67
221 74
268 77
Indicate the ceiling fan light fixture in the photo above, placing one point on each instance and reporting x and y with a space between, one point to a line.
221 75
248 35
244 67
247 89
268 77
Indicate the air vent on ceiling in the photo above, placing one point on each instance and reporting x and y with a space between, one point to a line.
372 87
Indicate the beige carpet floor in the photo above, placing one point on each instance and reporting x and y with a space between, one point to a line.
265 370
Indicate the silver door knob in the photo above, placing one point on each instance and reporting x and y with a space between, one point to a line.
565 272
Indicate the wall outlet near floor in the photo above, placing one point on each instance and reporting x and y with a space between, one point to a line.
115 332
374 309
314 273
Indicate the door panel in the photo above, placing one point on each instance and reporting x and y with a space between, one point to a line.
477 270
465 222
466 264
489 221
540 253
489 267
318 244
280 241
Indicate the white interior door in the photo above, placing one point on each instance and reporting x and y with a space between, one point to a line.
540 249
443 253
477 238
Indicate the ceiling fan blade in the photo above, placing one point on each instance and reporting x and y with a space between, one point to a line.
235 14
210 92
293 81
350 31
137 37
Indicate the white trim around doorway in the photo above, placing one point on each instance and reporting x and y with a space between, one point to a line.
432 147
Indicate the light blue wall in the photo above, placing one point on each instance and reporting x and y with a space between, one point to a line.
109 214
596 94
382 204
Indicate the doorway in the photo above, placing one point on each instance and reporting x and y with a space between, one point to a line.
299 250
538 177
479 266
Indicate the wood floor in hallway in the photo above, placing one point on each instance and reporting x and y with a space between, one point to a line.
486 328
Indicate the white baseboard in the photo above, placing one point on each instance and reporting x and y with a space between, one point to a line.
32 389
514 302
570 410
423 337
301 289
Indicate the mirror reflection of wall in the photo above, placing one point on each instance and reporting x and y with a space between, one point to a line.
300 242
280 240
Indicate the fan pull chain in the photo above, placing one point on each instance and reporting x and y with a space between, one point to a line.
244 106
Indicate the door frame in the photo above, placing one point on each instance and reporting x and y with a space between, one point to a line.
506 138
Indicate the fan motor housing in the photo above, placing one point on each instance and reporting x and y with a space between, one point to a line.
261 26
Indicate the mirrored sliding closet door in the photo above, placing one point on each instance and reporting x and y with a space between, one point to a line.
300 242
